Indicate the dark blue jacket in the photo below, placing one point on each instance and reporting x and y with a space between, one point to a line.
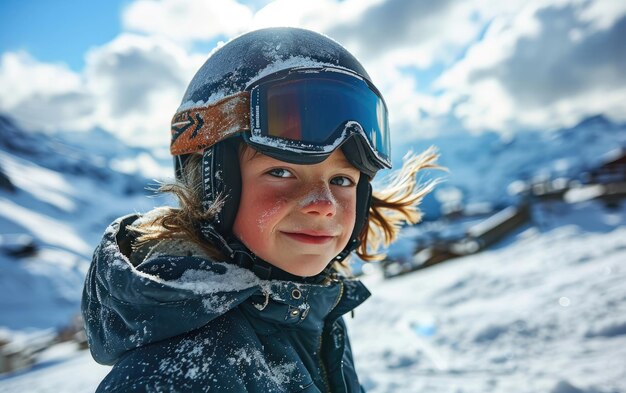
177 321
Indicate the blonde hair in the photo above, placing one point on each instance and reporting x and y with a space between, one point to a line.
397 204
391 208
183 222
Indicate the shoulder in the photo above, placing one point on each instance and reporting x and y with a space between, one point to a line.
225 355
197 358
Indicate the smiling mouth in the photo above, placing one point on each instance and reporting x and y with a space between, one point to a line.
309 238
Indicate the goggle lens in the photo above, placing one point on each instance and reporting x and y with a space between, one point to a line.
314 111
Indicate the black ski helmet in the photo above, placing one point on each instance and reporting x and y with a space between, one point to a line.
230 70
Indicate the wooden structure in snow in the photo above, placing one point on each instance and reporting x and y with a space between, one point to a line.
492 229
477 237
612 170
606 182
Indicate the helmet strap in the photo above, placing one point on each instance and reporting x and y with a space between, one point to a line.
221 179
363 203
238 254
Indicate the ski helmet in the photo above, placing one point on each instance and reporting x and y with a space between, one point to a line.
290 93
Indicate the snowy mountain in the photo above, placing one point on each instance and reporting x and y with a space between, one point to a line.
540 312
484 166
544 313
60 192
58 198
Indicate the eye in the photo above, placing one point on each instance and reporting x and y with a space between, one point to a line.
342 181
280 172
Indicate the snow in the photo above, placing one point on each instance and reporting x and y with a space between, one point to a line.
39 225
143 163
543 312
277 372
317 196
64 199
276 65
586 193
224 277
488 167
44 184
40 292
205 282
61 369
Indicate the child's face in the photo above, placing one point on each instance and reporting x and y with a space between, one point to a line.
296 217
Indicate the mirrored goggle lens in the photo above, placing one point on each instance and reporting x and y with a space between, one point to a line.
314 112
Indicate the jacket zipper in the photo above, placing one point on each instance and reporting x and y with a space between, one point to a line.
319 347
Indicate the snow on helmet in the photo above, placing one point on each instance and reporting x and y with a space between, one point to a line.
290 93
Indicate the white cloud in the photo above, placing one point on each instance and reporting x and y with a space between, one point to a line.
603 14
131 86
321 15
495 85
138 83
419 33
506 65
43 95
409 32
546 67
187 20
19 67
387 36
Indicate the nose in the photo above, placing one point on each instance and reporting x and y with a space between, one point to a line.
319 201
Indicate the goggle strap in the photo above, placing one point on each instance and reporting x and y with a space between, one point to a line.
195 129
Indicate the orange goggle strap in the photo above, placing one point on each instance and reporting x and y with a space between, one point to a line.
193 130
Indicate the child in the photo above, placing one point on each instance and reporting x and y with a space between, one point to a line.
243 288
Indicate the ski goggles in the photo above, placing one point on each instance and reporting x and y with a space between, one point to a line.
298 116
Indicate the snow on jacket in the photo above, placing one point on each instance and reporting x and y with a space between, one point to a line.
181 322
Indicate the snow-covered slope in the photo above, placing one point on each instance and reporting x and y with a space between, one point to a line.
545 314
62 199
483 166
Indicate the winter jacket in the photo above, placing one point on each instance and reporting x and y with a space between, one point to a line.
177 321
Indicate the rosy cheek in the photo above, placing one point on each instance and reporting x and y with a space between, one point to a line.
346 199
347 206
268 204
270 207
344 203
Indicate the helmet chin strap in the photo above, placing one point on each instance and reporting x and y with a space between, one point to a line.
221 180
363 203
238 254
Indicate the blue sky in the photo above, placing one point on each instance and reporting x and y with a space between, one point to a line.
58 31
476 65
